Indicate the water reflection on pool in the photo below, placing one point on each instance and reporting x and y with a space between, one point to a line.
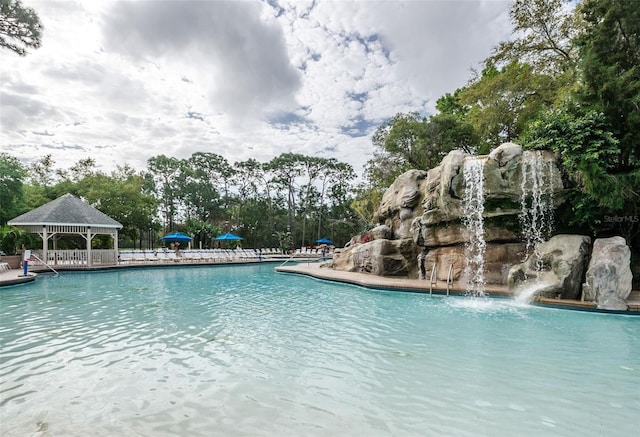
241 350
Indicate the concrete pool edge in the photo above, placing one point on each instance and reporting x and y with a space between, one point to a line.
15 277
421 286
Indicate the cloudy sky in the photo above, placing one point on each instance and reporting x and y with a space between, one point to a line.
122 81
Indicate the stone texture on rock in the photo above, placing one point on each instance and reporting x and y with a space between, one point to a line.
449 234
402 203
609 278
382 232
442 224
380 257
559 267
443 199
499 258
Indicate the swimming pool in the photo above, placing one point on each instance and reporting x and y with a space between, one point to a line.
242 350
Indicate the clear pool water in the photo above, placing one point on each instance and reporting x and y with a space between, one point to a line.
244 351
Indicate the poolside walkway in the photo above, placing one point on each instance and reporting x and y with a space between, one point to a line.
15 277
382 282
422 286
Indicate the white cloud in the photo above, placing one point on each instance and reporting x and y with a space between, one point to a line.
123 81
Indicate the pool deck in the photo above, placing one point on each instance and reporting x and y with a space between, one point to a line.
314 268
422 286
15 277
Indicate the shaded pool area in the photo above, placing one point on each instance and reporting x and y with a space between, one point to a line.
242 350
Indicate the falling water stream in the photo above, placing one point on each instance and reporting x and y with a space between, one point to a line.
536 202
473 203
536 216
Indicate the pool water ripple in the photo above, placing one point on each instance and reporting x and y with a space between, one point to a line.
241 350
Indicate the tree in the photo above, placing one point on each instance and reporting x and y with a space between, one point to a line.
20 27
201 187
408 141
589 154
451 126
610 65
165 173
203 232
335 178
382 169
12 238
404 136
544 31
212 178
12 197
286 169
502 102
121 195
246 178
366 204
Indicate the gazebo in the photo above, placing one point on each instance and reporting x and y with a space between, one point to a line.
68 215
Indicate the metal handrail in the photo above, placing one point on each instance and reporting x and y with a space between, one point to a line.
52 269
449 278
289 259
433 279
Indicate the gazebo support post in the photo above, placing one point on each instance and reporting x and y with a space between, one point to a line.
115 246
89 238
45 242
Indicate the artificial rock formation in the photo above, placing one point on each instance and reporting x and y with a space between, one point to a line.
555 269
609 278
506 177
426 209
423 228
402 203
389 249
383 257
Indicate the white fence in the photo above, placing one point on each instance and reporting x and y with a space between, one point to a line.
195 256
99 257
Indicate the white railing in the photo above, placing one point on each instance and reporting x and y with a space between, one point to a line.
99 257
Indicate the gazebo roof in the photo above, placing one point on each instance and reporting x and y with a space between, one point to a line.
66 210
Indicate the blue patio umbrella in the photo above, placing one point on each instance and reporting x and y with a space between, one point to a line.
176 237
324 241
229 237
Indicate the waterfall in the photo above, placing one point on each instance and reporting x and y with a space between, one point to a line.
473 203
536 202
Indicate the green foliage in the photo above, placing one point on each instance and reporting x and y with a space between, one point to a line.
285 240
408 141
544 31
405 136
383 168
586 147
502 102
12 176
203 232
12 239
120 195
448 132
366 203
589 155
20 27
610 64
